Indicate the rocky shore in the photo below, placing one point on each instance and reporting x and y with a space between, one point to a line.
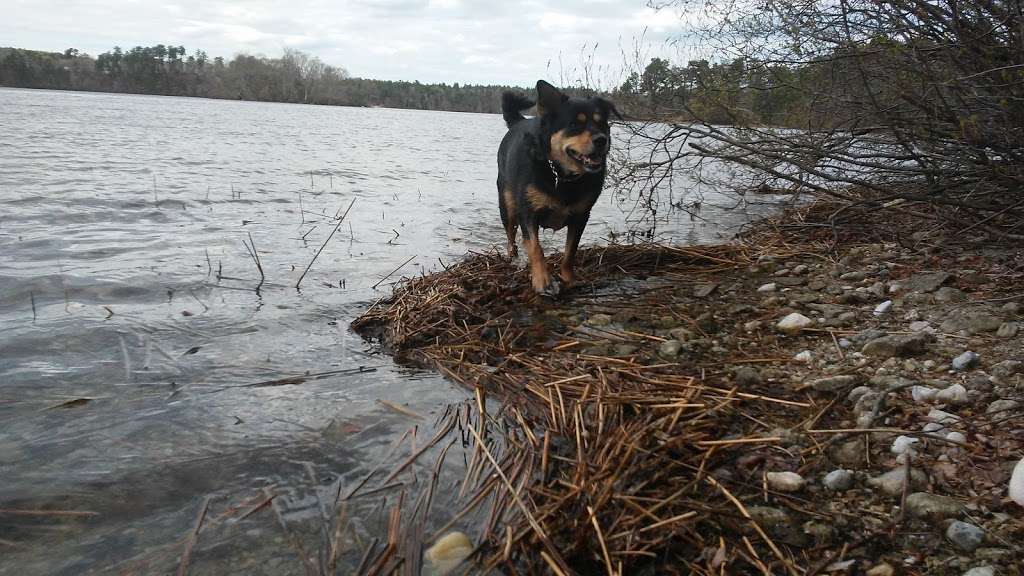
905 360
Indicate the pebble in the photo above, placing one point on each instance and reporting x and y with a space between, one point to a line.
883 308
854 276
747 376
1005 406
966 537
926 505
1007 368
800 269
882 569
1011 308
942 417
955 394
927 282
449 551
957 437
670 348
794 323
965 361
903 445
833 383
950 294
923 394
901 345
857 393
844 343
599 320
766 288
933 428
838 480
804 357
785 481
919 326
752 326
981 571
1016 489
891 483
1008 329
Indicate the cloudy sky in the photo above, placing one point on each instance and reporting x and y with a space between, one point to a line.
480 42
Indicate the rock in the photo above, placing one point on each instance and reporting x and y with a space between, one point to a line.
1016 489
833 383
964 536
1003 407
785 481
981 571
971 322
932 506
746 376
704 290
883 308
448 552
902 345
965 361
941 417
804 357
670 348
800 269
794 323
919 326
857 393
768 517
957 437
849 453
927 282
766 288
855 276
933 428
1007 368
903 445
599 320
1011 308
1008 330
882 569
891 483
948 294
707 323
620 350
790 282
955 394
923 394
752 326
682 334
838 480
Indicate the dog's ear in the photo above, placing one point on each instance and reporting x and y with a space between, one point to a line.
549 98
607 108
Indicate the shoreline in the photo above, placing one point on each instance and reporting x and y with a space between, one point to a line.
659 416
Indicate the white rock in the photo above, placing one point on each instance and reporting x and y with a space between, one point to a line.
883 307
784 481
766 288
449 551
981 571
942 417
903 444
794 323
957 437
804 357
923 394
955 394
933 428
1017 483
919 326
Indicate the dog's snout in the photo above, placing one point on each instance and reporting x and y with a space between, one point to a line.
600 141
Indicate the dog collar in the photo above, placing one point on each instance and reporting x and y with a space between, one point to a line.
558 177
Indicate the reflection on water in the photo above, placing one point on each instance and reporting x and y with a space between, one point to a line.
133 343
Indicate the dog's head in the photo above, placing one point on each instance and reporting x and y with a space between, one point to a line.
575 130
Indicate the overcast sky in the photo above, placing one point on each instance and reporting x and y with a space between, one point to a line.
510 42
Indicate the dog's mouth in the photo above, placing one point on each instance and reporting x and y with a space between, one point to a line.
593 162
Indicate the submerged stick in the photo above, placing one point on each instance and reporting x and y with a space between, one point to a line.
251 247
329 236
400 266
186 556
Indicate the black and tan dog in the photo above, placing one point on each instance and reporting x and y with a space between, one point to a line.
550 172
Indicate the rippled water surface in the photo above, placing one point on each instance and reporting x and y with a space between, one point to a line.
134 348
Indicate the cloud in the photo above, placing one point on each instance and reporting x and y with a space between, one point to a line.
465 41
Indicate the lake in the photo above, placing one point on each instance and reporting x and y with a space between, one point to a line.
141 368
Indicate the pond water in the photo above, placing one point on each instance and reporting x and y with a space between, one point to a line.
135 348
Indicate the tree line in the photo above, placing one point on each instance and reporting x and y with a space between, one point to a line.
295 77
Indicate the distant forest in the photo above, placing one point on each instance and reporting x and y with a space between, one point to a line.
171 71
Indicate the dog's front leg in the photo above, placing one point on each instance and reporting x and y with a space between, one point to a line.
541 279
574 231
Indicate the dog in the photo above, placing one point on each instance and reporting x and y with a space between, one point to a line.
551 169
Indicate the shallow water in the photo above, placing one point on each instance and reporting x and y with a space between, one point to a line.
133 338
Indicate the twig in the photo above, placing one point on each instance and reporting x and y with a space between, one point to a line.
392 272
329 236
186 556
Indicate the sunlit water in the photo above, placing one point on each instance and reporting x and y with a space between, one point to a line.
126 365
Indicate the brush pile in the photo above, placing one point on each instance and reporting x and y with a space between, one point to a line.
635 433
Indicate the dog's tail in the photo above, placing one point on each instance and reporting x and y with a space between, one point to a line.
511 105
